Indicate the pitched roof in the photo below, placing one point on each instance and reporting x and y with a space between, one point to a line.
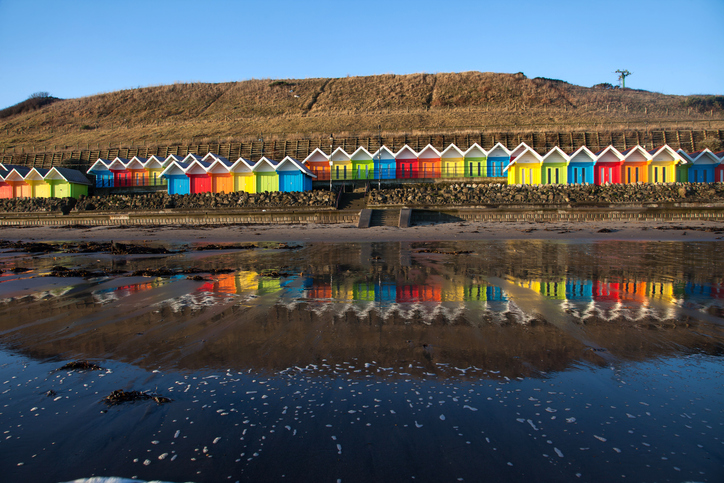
18 173
179 167
36 174
300 166
264 161
610 149
339 154
378 154
556 151
405 148
70 175
477 147
361 153
498 147
98 166
583 150
241 162
427 150
316 154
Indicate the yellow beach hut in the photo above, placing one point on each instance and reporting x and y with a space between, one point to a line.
524 167
452 162
341 165
663 164
39 188
241 172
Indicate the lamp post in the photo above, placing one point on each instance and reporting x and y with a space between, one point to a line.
331 147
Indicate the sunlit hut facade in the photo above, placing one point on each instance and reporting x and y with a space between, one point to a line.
428 161
176 179
580 166
663 165
475 164
406 163
384 162
121 176
363 166
241 172
265 175
452 162
103 175
608 166
524 167
16 179
222 181
719 171
701 166
293 176
341 165
682 169
6 190
555 167
198 173
39 187
498 158
318 163
154 166
67 183
635 167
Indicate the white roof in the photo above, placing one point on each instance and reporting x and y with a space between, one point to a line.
476 147
36 174
583 151
522 156
240 165
315 156
519 149
264 162
339 154
381 153
427 150
175 167
663 151
98 166
556 151
630 154
70 175
289 160
498 147
452 151
361 153
154 162
706 157
408 149
609 149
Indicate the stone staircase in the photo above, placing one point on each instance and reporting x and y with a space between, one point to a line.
385 218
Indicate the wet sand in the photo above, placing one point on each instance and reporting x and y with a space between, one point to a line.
574 231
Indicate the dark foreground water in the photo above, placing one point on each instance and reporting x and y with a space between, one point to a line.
520 361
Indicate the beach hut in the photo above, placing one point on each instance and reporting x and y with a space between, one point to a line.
121 176
198 174
719 171
265 175
476 163
701 166
497 159
384 163
555 167
524 167
222 181
241 173
682 169
452 162
16 179
580 166
341 165
154 166
39 188
608 166
363 166
318 163
428 162
635 167
6 189
103 175
67 183
176 180
136 168
294 176
662 168
406 164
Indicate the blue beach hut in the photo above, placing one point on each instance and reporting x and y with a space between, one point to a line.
702 168
580 167
384 162
104 176
498 159
178 182
293 176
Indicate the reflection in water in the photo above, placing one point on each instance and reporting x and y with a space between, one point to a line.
372 362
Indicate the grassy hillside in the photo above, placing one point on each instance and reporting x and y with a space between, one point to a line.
417 103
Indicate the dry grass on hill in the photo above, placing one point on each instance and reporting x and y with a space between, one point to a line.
416 103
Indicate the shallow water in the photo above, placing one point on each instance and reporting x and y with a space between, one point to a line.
522 360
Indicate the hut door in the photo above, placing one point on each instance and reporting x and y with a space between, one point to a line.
470 171
522 174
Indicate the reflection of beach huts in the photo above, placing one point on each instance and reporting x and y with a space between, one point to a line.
495 294
475 292
477 163
293 176
428 162
452 162
407 293
364 291
406 163
579 289
497 159
553 290
580 166
341 165
555 167
265 175
632 291
635 166
662 168
319 290
318 163
605 292
608 166
386 292
363 166
662 291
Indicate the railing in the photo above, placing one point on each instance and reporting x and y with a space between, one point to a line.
474 170
124 180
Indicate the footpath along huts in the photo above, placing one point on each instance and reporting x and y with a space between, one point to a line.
318 163
608 166
39 188
341 165
580 166
363 166
406 163
452 162
428 162
103 175
498 159
555 167
476 162
384 163
293 176
241 172
176 180
67 183
662 168
635 167
266 177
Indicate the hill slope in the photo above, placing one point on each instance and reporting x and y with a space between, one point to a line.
473 101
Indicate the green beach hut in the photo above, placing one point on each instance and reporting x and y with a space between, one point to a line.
363 166
67 183
555 167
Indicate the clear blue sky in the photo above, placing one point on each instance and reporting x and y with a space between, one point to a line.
79 48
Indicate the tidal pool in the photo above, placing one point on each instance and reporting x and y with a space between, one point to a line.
514 361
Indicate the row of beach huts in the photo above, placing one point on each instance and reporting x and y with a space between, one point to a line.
522 165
